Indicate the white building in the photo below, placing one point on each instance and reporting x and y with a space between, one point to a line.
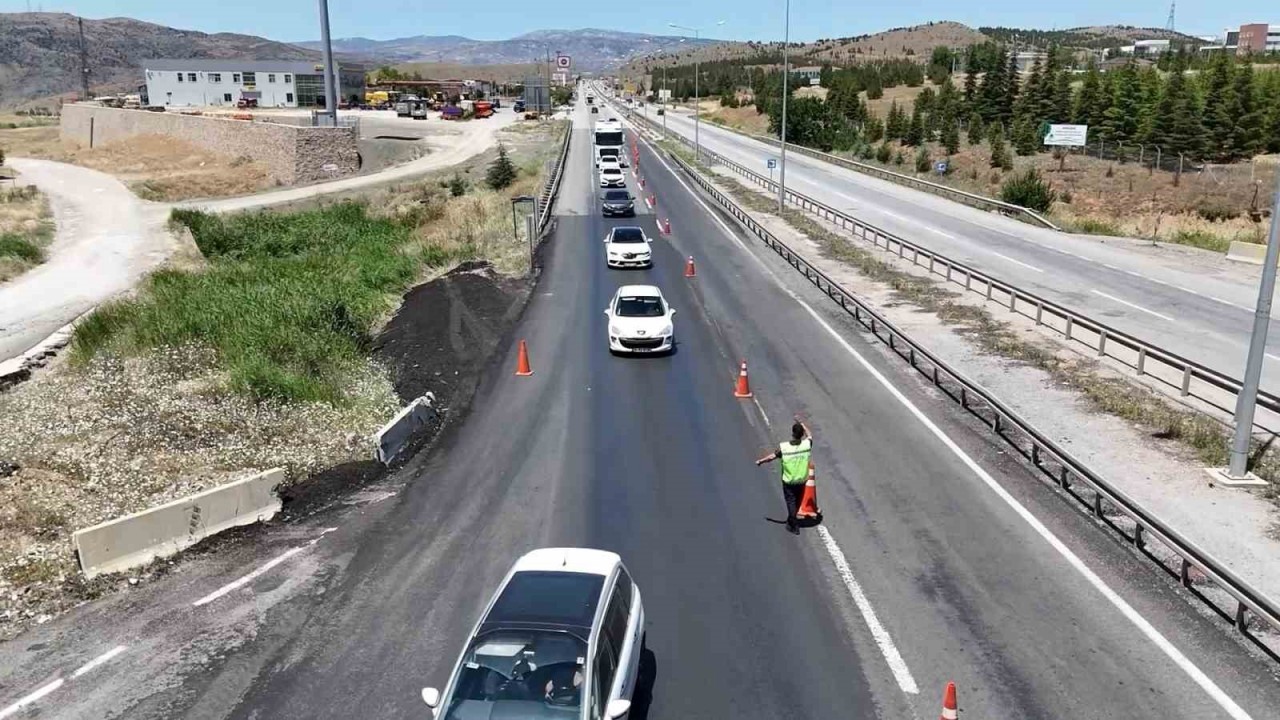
272 83
1146 48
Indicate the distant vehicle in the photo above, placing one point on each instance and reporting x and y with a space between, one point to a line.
518 107
612 177
418 111
561 638
247 103
483 109
450 112
662 111
404 105
591 99
618 203
640 321
594 109
609 163
627 247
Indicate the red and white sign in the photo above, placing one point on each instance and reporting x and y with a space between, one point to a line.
564 62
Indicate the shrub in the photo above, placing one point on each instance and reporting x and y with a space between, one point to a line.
999 152
1201 239
898 159
1094 226
457 186
923 162
884 153
866 152
1111 171
1065 196
502 172
1029 190
1 156
1217 213
17 247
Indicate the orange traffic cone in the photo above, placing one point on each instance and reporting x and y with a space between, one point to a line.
743 390
949 710
809 503
689 269
522 364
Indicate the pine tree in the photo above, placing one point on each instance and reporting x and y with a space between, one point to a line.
951 136
1249 139
1221 108
896 127
502 172
999 153
1151 88
923 162
970 80
1176 125
1120 119
977 130
1061 106
873 129
1089 107
992 91
1026 136
1011 90
915 131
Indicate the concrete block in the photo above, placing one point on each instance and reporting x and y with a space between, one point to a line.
165 530
1251 253
393 436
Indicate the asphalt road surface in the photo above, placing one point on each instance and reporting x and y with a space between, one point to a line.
940 558
1162 298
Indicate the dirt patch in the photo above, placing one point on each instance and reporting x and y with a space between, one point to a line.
745 119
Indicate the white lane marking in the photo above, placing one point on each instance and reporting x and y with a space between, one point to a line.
1228 302
1142 624
1273 357
1135 307
762 412
897 665
32 698
241 582
98 661
1016 262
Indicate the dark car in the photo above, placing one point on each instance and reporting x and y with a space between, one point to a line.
618 203
518 107
595 109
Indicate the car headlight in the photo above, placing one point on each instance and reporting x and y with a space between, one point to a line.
615 330
668 331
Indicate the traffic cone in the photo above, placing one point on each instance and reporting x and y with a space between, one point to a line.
809 503
949 709
689 269
743 390
522 364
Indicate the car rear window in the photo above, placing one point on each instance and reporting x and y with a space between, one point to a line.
640 306
561 598
628 235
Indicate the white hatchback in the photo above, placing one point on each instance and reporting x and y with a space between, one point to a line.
561 638
627 246
640 321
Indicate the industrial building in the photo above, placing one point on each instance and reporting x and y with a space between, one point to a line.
1249 39
267 83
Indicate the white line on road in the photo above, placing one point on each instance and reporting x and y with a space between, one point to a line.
1135 307
1016 262
1133 616
762 413
1273 357
897 665
241 582
1228 302
32 698
98 661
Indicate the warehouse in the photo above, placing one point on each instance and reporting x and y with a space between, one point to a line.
267 83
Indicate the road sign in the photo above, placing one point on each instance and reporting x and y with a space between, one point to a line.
940 167
771 163
1067 135
564 62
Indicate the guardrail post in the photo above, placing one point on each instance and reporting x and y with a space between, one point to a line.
964 398
1039 313
1142 360
948 272
1097 504
1186 381
1102 342
995 423
1242 620
930 263
1137 537
915 256
1013 301
1070 322
1035 454
968 278
1184 574
988 281
891 346
1064 478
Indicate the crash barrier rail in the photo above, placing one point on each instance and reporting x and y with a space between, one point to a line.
1189 378
1190 565
982 202
393 437
552 188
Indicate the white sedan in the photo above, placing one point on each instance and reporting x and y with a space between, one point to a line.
626 247
612 177
561 638
640 321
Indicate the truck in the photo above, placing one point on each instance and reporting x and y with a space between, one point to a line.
483 109
591 99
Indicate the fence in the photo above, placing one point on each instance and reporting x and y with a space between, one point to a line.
1180 558
1187 377
549 191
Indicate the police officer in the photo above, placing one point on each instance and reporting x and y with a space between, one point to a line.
795 455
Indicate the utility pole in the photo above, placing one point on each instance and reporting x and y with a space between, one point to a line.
786 90
84 63
697 104
1247 403
330 79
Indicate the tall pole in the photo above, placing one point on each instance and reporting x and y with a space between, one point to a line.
786 90
1247 403
664 98
697 103
330 83
84 64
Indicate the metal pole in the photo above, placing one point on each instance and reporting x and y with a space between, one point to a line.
1247 403
664 99
786 87
528 228
330 87
697 107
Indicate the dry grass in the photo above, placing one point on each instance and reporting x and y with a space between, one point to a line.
37 142
25 230
745 119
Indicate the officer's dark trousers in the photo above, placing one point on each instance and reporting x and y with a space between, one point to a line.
792 494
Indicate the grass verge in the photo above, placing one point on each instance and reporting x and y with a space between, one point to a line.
25 230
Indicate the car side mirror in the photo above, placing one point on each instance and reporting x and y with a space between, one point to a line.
431 697
673 312
606 311
648 239
617 708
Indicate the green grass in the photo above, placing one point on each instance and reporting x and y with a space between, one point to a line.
1201 239
15 246
287 300
1094 226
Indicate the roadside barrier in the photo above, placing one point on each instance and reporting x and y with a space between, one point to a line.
396 434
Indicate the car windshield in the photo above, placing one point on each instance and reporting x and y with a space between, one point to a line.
617 196
627 235
611 171
640 306
520 675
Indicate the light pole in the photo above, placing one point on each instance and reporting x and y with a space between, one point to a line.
330 82
786 90
1247 402
697 106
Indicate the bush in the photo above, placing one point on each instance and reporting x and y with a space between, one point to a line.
457 186
1029 190
884 153
898 158
502 172
13 246
923 163
1201 239
1217 213
1094 226
1 156
866 152
1065 196
999 152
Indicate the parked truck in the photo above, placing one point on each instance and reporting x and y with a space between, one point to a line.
483 109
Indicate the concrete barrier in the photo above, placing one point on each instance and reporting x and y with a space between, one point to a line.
393 436
1251 253
137 539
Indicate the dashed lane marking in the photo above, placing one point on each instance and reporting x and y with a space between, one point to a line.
1113 298
31 699
99 661
1016 262
245 580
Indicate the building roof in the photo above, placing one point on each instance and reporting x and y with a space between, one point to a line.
297 67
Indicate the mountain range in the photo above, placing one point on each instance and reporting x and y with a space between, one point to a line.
591 49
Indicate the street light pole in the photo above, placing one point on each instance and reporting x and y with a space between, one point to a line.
697 105
330 84
786 88
1247 403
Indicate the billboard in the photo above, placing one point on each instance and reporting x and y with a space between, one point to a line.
1067 135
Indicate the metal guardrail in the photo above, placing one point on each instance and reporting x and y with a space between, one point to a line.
1191 565
982 202
547 199
1187 377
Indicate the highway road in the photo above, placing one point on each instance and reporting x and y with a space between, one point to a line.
1199 312
940 557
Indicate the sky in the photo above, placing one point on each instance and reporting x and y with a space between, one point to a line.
293 20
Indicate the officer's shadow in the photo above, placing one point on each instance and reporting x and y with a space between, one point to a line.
643 695
801 522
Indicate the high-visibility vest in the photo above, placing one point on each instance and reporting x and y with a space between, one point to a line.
795 461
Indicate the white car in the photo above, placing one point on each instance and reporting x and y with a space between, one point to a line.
626 247
610 163
640 321
561 638
612 177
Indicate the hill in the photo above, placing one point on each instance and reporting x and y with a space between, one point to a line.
591 49
1094 37
917 41
40 53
